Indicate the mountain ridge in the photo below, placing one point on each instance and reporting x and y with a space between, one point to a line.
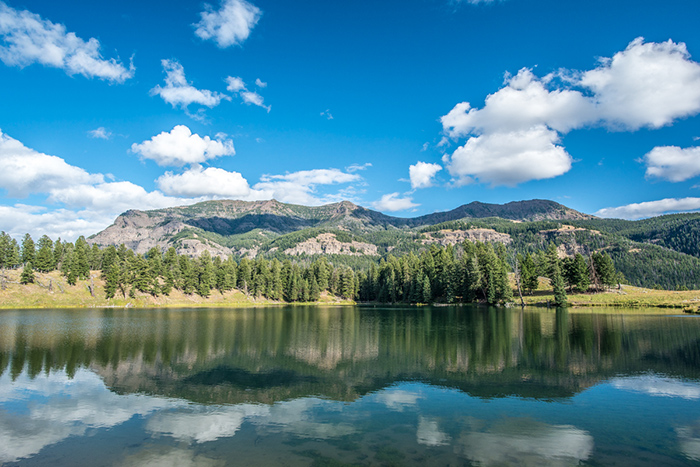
241 227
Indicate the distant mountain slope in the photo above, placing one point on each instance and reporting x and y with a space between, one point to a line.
242 227
660 251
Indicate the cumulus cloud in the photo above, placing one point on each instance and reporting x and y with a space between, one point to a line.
178 92
300 187
429 434
651 208
646 85
100 133
393 202
78 404
181 147
211 181
28 39
673 163
260 83
200 424
541 444
93 202
24 171
230 24
524 102
113 197
399 399
235 84
509 158
422 174
658 386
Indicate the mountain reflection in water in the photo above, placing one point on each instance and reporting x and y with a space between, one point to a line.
315 385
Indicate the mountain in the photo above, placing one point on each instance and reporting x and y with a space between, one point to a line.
245 228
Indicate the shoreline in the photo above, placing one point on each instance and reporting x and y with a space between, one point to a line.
64 296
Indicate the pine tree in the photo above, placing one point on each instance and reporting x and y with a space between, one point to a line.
28 249
44 257
112 279
528 270
27 276
426 289
314 290
558 287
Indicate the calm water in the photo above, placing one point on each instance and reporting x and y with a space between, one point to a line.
364 386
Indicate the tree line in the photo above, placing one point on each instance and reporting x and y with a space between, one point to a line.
464 273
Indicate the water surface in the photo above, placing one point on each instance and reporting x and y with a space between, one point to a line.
348 385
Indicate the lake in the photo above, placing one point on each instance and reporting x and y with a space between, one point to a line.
349 385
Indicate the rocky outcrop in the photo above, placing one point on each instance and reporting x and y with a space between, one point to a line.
453 237
328 244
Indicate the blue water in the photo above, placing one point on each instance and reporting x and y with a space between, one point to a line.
348 386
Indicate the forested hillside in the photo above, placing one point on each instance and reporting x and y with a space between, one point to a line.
661 252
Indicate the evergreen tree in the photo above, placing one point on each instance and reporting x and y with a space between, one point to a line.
28 249
27 276
112 277
426 290
44 257
558 287
580 273
605 269
314 290
528 271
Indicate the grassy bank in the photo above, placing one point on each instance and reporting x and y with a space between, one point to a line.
52 291
62 295
625 296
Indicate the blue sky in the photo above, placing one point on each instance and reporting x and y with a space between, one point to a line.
405 107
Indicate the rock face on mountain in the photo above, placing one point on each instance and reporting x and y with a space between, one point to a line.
243 228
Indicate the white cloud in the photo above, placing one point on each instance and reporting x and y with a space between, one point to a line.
211 181
200 424
230 25
254 98
422 174
260 83
19 219
689 441
24 170
356 167
399 399
651 208
327 113
523 103
300 187
392 202
658 386
646 85
236 84
181 147
77 404
27 39
178 92
94 203
100 133
673 163
113 197
540 444
429 433
509 158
